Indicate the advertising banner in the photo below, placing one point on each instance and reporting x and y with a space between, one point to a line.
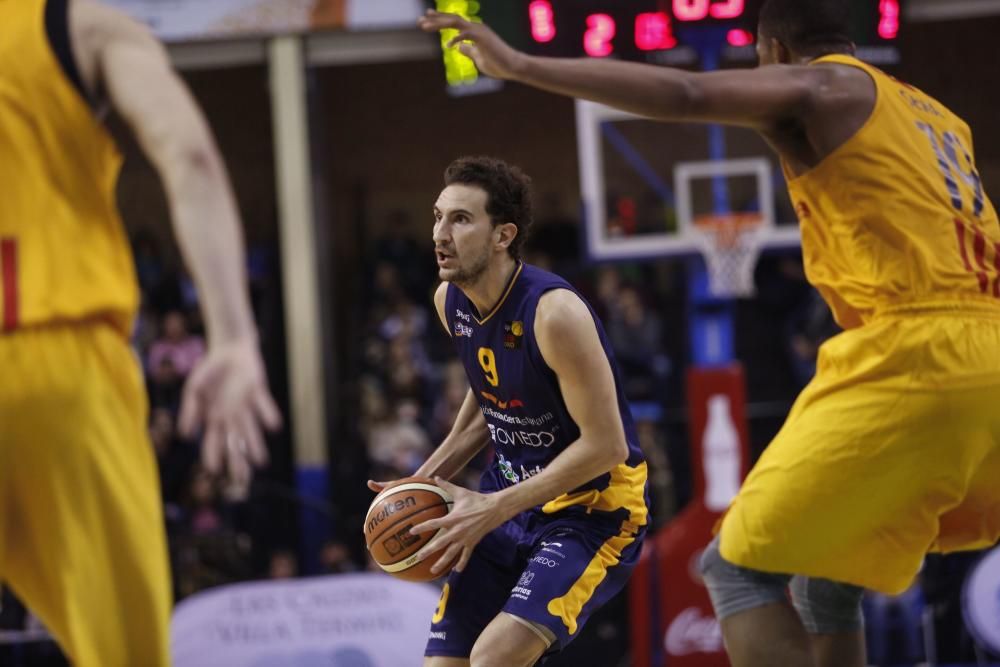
350 620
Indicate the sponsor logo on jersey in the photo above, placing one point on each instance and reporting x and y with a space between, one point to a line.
462 330
508 472
462 315
503 405
512 334
512 437
521 590
550 547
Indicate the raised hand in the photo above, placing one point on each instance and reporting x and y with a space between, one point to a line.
492 55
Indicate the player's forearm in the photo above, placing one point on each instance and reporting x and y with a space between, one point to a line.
467 438
645 90
453 455
579 463
206 222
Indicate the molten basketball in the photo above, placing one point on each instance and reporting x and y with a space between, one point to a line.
387 527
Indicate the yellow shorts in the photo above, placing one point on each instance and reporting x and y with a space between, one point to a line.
81 530
892 451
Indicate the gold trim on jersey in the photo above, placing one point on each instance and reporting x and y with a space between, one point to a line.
506 293
625 491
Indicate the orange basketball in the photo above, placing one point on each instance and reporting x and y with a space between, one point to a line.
387 527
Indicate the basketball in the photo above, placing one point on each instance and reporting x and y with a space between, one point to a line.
387 527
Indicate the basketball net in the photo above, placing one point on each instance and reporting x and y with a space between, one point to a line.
730 244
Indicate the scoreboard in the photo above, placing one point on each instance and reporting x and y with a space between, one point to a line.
673 32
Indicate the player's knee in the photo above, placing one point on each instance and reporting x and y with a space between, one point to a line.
733 588
488 652
828 607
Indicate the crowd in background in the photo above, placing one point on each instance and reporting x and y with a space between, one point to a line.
411 386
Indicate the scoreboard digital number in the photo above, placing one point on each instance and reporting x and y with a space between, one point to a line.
647 30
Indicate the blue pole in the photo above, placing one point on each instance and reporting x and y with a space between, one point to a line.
710 319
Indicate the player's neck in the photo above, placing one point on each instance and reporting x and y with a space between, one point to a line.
489 288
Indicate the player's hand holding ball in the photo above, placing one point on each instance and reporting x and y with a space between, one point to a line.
396 510
472 516
417 529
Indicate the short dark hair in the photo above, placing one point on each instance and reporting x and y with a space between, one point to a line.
508 192
810 27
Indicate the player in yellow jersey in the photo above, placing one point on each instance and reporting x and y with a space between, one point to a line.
894 449
81 529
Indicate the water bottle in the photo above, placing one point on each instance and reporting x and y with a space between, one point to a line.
720 448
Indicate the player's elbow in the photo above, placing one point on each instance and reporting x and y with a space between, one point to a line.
193 162
200 157
685 97
617 453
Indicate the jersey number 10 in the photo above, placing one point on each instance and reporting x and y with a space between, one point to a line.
947 151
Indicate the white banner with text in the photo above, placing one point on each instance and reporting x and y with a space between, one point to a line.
348 620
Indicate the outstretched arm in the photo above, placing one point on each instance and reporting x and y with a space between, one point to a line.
228 392
759 98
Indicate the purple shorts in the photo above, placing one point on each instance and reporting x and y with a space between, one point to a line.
553 570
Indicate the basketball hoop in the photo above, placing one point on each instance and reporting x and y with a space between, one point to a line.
730 244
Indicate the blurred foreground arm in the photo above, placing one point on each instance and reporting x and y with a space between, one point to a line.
227 393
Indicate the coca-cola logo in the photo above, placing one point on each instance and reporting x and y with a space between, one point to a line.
691 632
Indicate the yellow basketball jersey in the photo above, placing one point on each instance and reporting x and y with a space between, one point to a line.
897 215
64 255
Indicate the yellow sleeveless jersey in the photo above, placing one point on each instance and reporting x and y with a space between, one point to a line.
897 216
64 255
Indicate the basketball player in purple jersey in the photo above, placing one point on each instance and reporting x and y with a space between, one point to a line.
559 521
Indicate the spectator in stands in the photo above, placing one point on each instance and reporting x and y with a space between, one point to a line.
283 565
174 457
335 558
175 344
636 338
398 441
204 510
454 387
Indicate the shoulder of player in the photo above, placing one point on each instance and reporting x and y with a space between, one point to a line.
560 316
95 22
94 27
440 303
835 86
810 85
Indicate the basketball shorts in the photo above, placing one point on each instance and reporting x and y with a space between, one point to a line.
892 451
551 570
81 530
